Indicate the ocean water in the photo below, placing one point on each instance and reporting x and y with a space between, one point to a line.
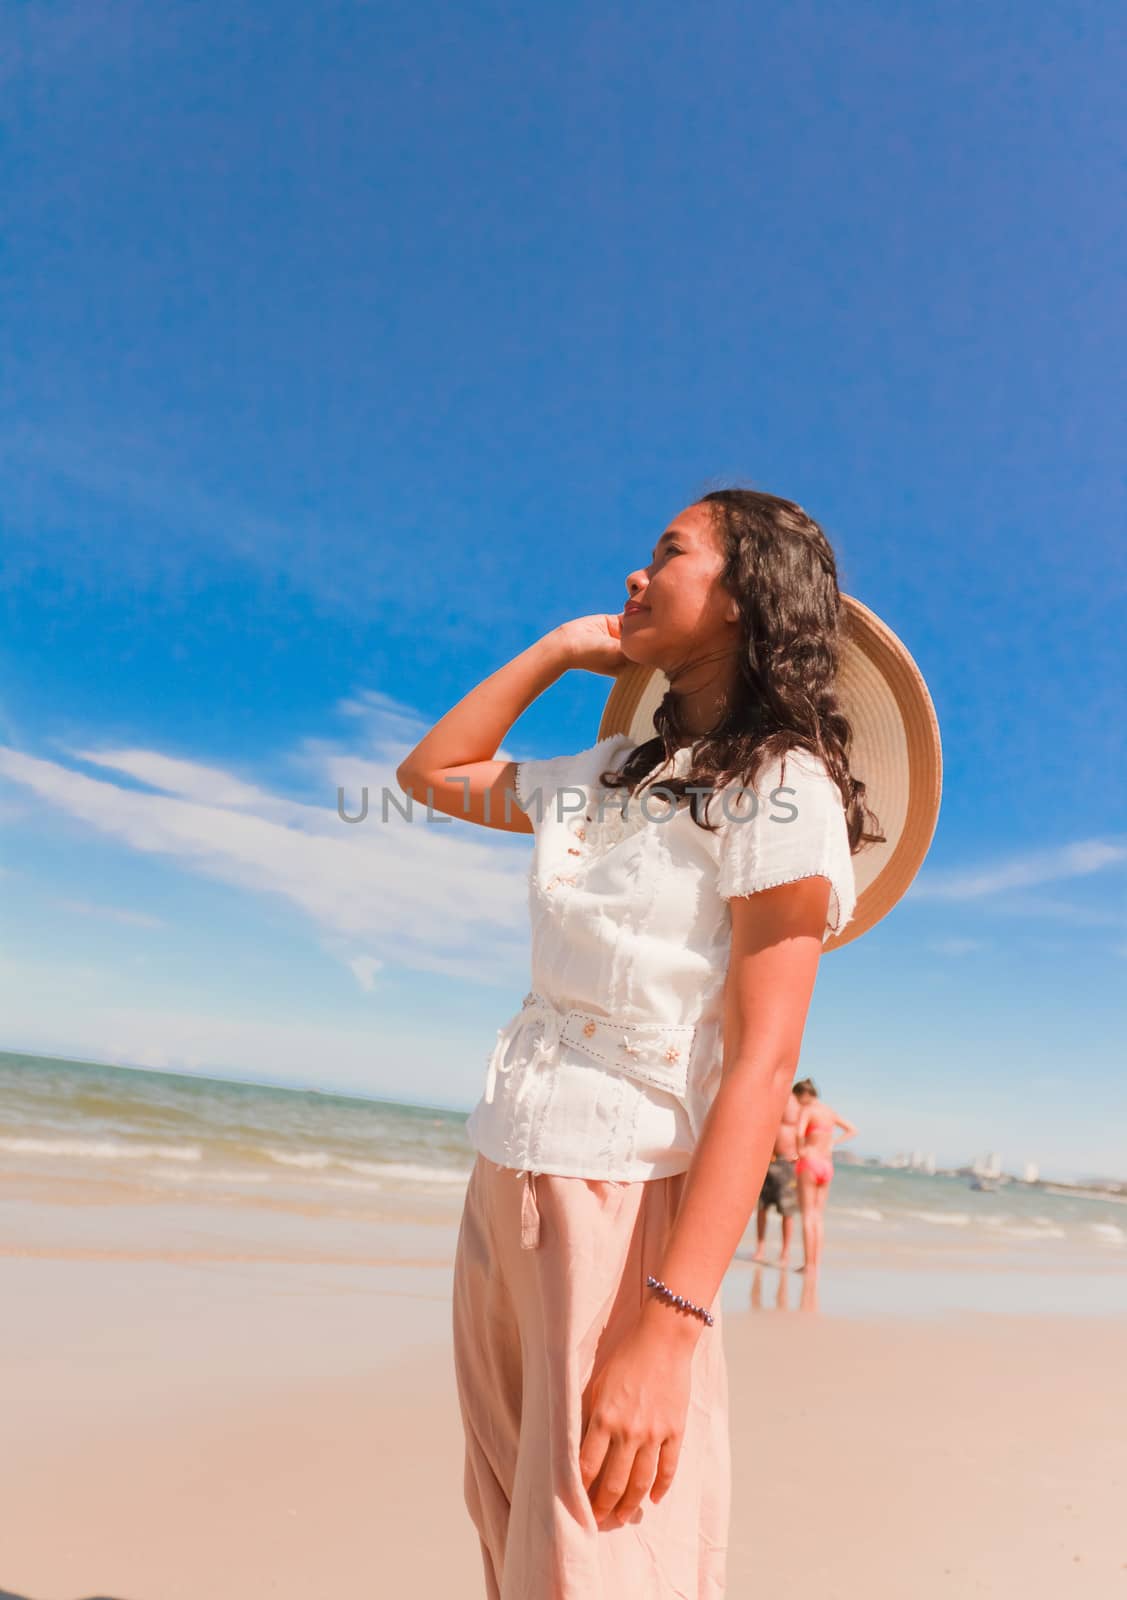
97 1133
98 1136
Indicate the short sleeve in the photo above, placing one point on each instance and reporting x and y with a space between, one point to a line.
789 828
543 783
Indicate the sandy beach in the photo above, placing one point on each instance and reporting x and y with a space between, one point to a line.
226 1368
243 1427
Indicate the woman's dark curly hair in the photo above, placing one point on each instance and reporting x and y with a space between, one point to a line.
781 569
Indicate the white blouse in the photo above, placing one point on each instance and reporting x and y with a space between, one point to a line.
610 1066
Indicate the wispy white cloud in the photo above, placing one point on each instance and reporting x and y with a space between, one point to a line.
128 474
79 481
435 896
87 908
1080 859
364 968
1048 908
383 720
190 780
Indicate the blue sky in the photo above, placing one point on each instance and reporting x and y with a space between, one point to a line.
346 349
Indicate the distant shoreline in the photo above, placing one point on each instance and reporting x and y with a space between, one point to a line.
1114 1190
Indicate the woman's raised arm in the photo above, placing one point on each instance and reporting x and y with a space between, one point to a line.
454 768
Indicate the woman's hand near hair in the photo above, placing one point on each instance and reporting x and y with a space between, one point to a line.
594 643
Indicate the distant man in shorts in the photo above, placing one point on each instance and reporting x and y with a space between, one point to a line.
780 1188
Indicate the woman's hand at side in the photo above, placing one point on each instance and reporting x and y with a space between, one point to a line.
634 1411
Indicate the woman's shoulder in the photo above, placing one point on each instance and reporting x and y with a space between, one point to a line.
796 787
797 767
789 823
592 757
540 779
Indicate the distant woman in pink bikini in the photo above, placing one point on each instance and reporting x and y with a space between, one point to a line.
814 1168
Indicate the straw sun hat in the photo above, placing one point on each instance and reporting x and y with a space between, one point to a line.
895 751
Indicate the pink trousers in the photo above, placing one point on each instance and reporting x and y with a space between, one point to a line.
549 1273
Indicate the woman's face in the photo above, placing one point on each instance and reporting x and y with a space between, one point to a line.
682 610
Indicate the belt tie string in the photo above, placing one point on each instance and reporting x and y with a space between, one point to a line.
529 1213
550 1023
494 1060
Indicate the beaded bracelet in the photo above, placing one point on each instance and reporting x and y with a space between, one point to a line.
677 1299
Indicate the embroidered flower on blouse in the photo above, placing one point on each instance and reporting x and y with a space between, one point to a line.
599 833
559 877
617 814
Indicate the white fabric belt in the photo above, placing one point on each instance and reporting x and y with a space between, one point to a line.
657 1053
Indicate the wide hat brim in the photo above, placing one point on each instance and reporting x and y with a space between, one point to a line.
895 751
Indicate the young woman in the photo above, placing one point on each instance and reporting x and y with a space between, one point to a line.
814 1168
630 1106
